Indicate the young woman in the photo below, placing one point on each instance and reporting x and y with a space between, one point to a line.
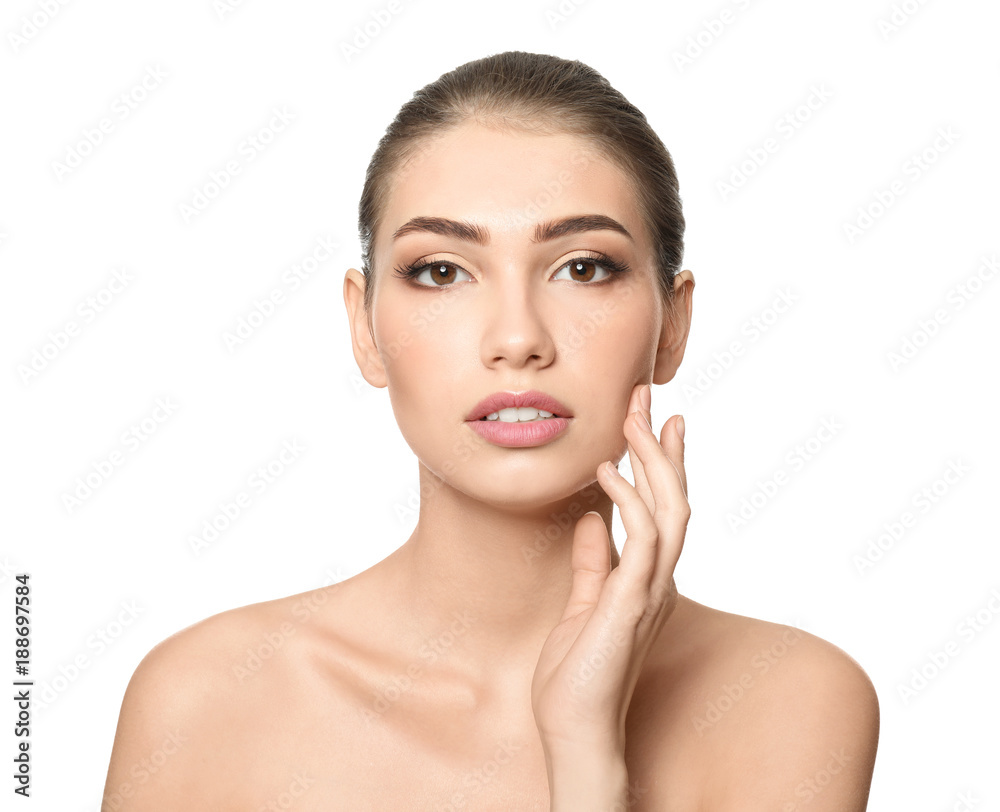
520 290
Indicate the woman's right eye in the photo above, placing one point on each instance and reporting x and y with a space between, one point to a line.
441 273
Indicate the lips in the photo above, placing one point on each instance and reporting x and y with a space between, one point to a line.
505 400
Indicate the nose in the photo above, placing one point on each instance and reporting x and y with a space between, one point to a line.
516 330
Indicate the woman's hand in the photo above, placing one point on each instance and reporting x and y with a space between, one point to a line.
590 663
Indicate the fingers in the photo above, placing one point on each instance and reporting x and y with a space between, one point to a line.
641 485
667 483
638 558
673 519
673 443
591 564
655 512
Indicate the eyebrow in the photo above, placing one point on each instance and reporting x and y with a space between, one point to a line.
550 230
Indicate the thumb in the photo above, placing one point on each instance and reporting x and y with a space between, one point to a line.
591 563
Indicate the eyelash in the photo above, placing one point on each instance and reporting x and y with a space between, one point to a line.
597 257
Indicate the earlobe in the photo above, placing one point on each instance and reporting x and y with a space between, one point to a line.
362 341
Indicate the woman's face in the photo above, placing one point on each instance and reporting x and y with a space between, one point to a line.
502 308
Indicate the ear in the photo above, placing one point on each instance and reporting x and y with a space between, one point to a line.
676 327
362 338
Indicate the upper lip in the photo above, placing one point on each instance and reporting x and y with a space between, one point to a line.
505 400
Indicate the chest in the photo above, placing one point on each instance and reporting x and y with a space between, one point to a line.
394 768
332 761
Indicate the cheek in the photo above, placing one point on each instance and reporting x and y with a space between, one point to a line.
427 339
414 324
401 333
614 341
426 350
613 350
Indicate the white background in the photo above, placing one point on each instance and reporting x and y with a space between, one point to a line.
349 499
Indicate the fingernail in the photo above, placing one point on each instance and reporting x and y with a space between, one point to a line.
680 426
645 397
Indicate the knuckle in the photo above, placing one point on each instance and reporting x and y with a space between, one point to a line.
662 511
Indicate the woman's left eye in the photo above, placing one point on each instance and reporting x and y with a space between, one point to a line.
583 269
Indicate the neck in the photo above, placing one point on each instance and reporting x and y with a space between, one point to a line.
490 581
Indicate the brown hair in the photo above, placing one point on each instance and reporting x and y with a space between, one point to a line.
517 90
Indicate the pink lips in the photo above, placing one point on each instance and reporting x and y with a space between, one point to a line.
505 400
519 435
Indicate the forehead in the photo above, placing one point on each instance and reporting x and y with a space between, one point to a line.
509 181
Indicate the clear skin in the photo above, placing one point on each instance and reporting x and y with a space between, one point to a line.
597 677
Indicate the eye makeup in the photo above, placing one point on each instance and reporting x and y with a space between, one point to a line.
592 258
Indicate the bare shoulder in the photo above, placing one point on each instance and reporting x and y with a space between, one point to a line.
196 696
781 715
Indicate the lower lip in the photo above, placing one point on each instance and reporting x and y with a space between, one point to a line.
519 435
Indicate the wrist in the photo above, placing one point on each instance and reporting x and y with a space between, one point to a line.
586 778
585 747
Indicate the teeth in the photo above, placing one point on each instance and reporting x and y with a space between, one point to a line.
519 414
